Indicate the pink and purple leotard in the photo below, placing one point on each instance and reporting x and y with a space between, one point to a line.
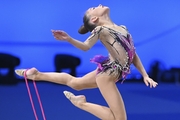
121 52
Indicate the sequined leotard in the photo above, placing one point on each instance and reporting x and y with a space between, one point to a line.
121 51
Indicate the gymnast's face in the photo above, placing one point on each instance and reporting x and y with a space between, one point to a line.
98 11
93 16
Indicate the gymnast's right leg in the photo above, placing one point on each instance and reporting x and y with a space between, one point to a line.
78 83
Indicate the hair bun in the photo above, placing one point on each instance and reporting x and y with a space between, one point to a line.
83 30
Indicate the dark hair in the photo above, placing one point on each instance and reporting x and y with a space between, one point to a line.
87 27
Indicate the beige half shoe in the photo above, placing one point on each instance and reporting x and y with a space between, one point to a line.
20 72
68 94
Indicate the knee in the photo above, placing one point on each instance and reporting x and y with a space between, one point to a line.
119 115
77 88
74 85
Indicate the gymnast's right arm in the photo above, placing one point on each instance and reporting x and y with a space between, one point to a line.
83 45
90 41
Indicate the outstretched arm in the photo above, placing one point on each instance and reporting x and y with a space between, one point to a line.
81 45
90 41
138 64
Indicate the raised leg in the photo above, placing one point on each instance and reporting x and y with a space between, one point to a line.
77 83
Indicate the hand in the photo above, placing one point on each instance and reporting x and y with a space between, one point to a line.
150 82
60 35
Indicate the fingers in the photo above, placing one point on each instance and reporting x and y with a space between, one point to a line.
57 38
52 30
57 34
146 83
155 84
151 83
57 31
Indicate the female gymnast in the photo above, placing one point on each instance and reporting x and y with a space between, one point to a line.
118 41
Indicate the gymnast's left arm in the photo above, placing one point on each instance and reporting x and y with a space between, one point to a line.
138 64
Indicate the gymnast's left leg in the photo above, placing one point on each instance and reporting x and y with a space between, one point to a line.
87 81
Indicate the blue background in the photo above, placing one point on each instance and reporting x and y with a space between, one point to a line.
25 32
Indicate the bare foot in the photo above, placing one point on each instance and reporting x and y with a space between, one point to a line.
75 100
30 73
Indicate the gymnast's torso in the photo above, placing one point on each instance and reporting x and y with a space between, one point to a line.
119 44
